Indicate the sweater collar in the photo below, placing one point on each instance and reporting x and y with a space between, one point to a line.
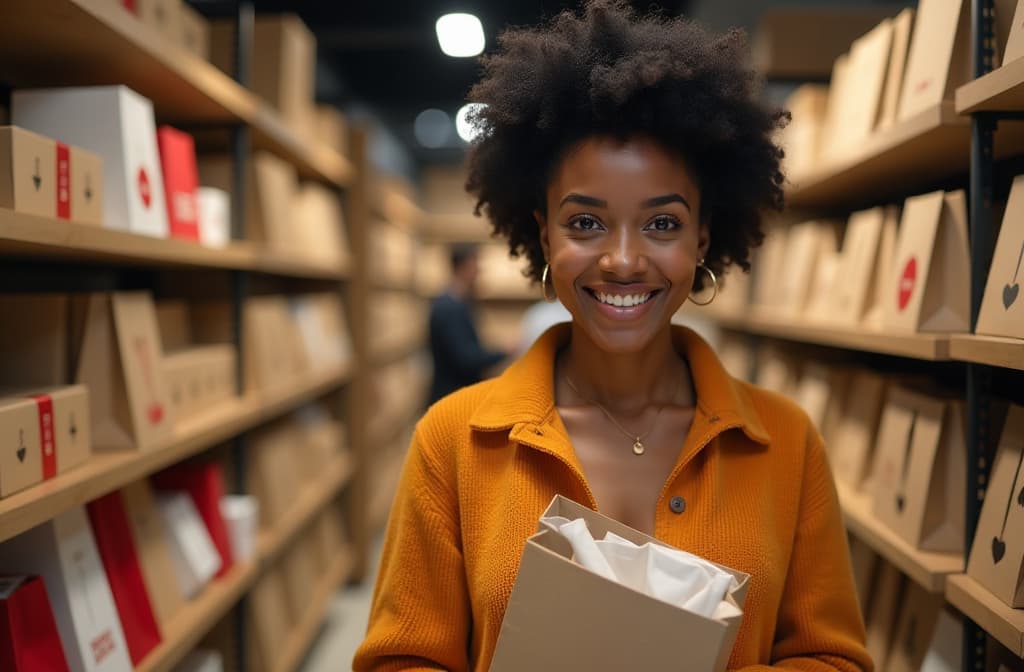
524 393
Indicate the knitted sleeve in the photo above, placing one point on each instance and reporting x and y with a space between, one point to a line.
420 616
819 627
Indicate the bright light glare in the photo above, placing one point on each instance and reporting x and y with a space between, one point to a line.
460 35
467 130
432 128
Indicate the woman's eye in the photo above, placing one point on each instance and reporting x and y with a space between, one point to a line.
585 224
663 225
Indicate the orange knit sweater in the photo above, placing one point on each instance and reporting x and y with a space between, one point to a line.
486 461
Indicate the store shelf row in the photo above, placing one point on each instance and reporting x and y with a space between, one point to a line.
106 472
1006 625
198 616
32 236
990 350
925 568
96 42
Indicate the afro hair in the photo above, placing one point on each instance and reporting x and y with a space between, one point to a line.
610 72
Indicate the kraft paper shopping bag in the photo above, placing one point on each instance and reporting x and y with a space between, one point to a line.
901 27
914 628
857 260
852 448
1002 308
939 58
917 484
880 279
929 288
997 556
866 70
888 590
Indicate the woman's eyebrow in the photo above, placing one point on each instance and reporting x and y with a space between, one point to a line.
584 200
665 200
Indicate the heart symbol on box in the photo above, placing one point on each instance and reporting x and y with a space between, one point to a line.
998 549
1010 295
900 503
21 446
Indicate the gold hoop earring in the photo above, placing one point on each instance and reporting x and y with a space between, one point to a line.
544 277
714 284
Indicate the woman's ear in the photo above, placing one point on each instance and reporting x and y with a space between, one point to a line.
704 238
542 224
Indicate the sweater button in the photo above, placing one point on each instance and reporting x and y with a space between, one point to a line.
677 504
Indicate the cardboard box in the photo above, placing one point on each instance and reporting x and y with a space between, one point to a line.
331 127
49 430
86 171
852 448
1002 307
283 65
28 172
318 226
242 516
321 322
887 592
194 32
801 139
864 82
174 323
119 359
268 620
152 543
163 15
40 342
117 124
883 269
997 556
201 660
273 475
939 57
181 181
63 552
195 558
806 244
331 533
300 577
914 629
918 487
561 616
857 263
945 651
929 288
901 27
865 563
199 378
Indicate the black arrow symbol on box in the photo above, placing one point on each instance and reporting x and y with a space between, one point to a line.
21 445
37 179
88 189
74 428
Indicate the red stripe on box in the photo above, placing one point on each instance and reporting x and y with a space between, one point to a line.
63 181
44 405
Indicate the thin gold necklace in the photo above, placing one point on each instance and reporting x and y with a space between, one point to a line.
638 439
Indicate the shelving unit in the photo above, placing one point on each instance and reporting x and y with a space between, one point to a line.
97 42
999 90
989 350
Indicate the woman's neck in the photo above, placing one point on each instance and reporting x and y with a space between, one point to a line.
626 383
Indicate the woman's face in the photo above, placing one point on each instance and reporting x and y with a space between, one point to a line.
623 235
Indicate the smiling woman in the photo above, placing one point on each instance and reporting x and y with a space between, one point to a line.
629 160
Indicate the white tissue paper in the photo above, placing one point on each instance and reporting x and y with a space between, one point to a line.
667 574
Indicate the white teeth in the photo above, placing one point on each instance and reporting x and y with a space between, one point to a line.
627 301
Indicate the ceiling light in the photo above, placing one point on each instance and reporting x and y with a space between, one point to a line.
460 35
432 128
467 130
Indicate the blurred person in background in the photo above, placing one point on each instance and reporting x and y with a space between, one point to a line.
458 356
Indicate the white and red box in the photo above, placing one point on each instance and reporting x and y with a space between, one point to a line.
181 181
117 124
63 552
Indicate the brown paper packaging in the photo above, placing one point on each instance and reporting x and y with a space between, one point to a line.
1002 307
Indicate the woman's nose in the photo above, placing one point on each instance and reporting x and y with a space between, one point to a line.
624 256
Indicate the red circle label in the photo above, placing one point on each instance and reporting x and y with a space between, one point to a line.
144 190
908 280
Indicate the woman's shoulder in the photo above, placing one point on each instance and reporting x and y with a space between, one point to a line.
451 415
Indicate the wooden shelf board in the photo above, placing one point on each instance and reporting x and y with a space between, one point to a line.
198 616
272 542
932 145
97 42
105 472
931 347
985 609
992 350
49 238
305 632
1001 89
927 569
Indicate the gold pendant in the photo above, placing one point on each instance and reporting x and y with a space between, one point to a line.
638 447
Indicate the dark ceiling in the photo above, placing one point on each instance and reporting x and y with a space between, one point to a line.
383 55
